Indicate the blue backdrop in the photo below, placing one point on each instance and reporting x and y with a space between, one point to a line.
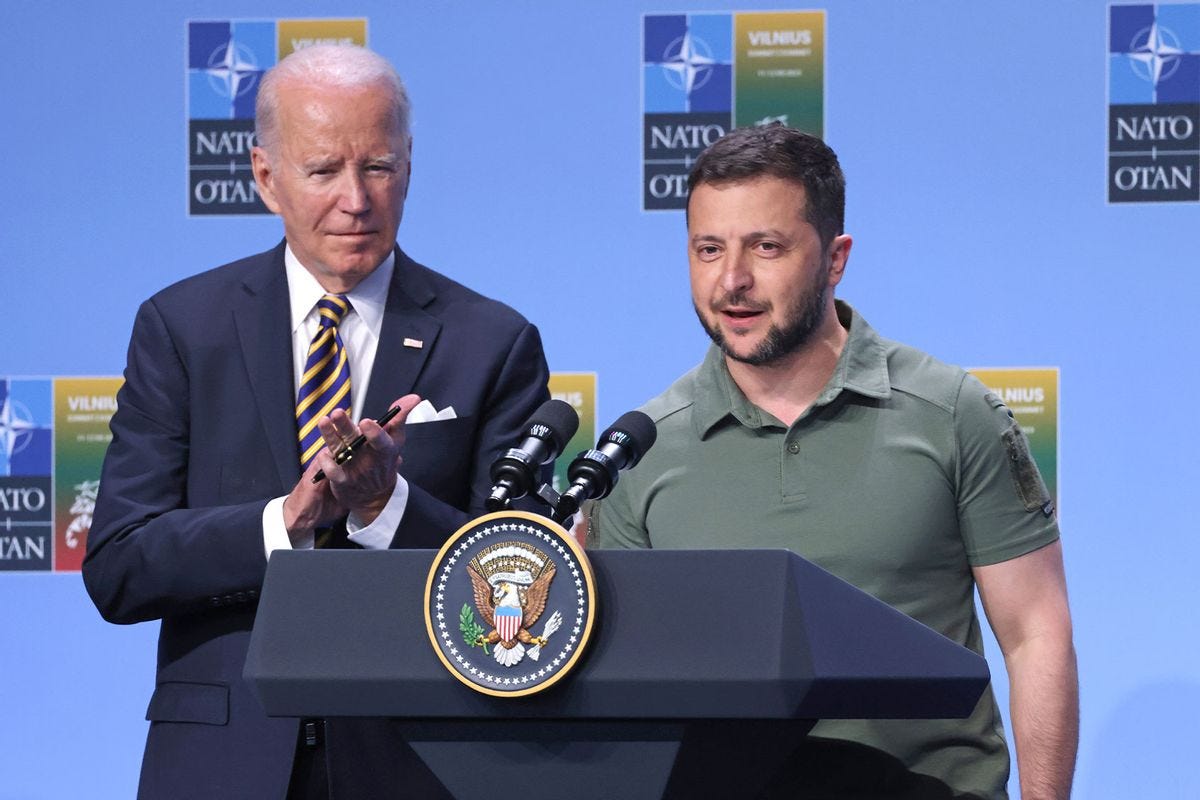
974 139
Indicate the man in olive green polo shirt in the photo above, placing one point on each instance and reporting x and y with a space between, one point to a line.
804 429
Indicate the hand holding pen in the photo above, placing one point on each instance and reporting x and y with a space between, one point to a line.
348 449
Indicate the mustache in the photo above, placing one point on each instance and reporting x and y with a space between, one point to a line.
740 301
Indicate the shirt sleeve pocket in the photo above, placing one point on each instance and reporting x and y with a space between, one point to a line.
1028 481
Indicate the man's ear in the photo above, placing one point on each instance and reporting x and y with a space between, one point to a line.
264 177
839 254
408 166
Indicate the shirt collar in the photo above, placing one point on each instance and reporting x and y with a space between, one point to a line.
368 299
861 368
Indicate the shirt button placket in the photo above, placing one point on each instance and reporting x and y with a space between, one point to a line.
792 472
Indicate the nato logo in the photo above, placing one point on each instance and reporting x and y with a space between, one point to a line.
26 462
226 61
704 74
688 63
1154 103
687 96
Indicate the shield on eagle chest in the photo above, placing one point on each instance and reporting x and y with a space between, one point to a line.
508 622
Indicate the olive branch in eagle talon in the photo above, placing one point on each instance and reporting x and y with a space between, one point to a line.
472 631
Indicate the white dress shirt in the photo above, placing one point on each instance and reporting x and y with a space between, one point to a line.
359 331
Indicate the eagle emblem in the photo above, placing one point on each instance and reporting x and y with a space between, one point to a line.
510 582
509 603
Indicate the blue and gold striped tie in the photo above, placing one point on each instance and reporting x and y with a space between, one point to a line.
325 384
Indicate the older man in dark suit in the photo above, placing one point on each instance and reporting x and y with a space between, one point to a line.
240 385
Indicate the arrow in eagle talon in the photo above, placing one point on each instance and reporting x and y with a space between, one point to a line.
550 627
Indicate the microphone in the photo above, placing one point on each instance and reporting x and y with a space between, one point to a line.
546 434
593 473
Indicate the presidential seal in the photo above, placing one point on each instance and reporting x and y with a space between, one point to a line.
509 603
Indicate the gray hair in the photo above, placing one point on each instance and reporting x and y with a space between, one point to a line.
338 65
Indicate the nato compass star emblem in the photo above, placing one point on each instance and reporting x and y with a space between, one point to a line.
509 603
688 63
232 70
16 427
1154 53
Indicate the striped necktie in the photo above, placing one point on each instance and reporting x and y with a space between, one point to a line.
325 384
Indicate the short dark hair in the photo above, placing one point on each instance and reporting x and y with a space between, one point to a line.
778 151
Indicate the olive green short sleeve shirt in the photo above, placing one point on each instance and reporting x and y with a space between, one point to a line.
903 475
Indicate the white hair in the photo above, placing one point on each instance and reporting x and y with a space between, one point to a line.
336 65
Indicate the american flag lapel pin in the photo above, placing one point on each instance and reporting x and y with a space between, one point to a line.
417 343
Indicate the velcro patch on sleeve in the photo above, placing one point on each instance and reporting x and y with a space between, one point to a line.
1028 481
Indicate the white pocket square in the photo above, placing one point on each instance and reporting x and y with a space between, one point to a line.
425 412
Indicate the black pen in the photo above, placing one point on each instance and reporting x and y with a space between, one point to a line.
346 452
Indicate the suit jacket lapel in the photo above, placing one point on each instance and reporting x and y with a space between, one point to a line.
262 316
398 365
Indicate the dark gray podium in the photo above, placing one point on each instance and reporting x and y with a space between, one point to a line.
705 670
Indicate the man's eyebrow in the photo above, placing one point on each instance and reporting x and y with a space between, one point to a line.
752 236
321 162
766 233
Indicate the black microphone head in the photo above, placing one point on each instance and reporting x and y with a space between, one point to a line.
554 420
636 431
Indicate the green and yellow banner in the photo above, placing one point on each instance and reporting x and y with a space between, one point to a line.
579 390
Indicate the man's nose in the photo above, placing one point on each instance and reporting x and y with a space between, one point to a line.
353 197
737 275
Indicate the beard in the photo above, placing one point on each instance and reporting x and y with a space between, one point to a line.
797 329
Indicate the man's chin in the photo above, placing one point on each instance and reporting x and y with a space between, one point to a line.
744 355
360 261
342 272
738 347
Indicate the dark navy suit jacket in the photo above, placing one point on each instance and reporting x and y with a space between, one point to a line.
205 434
